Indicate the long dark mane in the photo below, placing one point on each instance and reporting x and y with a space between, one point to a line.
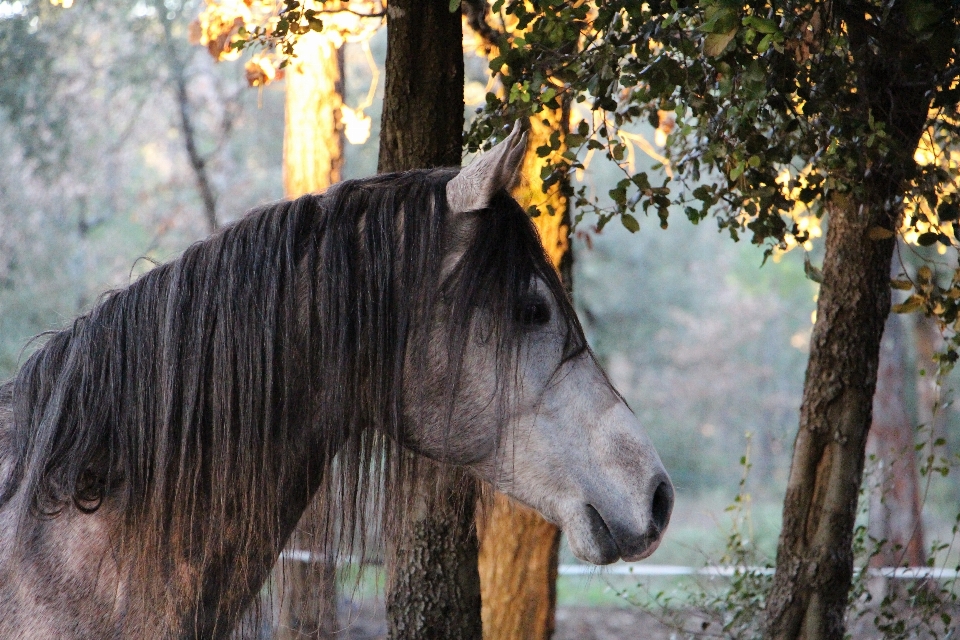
174 400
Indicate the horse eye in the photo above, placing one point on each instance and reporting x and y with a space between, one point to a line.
533 313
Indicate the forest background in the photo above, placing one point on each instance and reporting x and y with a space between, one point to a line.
102 175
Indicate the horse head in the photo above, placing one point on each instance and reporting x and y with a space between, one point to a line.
547 429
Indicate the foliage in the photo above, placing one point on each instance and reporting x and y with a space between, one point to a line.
767 110
271 29
81 200
26 53
733 608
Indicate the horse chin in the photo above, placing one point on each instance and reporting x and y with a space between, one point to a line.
590 539
593 540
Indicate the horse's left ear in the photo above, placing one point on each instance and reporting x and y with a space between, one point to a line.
499 168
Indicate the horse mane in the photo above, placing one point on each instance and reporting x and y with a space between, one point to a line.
173 399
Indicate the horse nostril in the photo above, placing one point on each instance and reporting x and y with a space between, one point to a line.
662 505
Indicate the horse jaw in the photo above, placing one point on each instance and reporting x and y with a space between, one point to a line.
581 458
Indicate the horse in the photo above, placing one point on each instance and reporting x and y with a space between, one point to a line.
156 454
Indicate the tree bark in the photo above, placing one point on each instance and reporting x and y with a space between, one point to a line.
422 122
305 591
814 556
433 589
519 549
313 133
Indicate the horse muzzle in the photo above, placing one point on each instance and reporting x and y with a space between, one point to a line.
602 534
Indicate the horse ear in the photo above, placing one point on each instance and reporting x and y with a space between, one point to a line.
497 169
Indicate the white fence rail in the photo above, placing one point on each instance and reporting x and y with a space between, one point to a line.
667 570
631 569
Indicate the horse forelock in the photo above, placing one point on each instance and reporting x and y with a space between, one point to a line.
267 360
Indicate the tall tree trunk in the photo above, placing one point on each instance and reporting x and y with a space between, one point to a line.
313 134
433 589
895 514
305 591
519 549
814 556
895 80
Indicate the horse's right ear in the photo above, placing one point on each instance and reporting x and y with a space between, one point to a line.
499 168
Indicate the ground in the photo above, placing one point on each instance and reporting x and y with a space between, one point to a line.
573 623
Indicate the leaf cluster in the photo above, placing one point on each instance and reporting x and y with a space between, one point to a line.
762 91
293 19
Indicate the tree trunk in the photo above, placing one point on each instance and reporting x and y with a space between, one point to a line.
178 71
422 123
814 556
895 78
519 549
895 514
305 591
433 589
313 135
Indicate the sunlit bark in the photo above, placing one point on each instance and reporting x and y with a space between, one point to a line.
312 161
519 549
313 137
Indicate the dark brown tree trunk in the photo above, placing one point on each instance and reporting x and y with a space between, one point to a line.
433 589
814 557
519 549
422 123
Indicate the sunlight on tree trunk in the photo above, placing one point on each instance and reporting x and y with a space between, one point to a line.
518 548
306 605
313 138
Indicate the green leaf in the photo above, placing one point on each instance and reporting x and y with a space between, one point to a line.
720 20
737 171
921 14
948 212
715 43
911 304
764 43
761 25
630 222
454 5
